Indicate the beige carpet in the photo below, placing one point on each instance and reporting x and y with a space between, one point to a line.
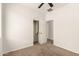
47 49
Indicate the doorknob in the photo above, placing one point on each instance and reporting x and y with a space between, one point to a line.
41 33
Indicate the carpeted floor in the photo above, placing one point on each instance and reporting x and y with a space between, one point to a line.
47 49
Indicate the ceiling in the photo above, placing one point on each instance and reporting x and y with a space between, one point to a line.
44 7
35 6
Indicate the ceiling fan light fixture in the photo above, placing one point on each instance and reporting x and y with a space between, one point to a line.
50 9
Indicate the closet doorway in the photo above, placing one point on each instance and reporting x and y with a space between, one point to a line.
36 31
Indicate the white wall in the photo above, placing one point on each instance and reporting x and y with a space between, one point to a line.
18 26
0 33
66 27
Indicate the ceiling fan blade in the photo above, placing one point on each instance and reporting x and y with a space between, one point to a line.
40 5
50 4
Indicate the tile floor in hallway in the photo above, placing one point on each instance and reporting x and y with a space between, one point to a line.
47 49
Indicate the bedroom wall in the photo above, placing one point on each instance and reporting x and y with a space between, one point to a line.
66 29
18 26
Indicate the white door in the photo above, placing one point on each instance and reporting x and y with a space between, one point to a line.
42 32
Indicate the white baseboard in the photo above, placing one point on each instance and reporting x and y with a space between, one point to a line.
18 48
66 49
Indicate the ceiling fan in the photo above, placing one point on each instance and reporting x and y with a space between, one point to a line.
50 4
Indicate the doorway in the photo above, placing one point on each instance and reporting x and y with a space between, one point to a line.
36 31
50 31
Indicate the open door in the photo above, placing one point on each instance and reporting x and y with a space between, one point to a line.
39 31
42 32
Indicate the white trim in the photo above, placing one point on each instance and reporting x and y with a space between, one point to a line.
66 49
28 45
